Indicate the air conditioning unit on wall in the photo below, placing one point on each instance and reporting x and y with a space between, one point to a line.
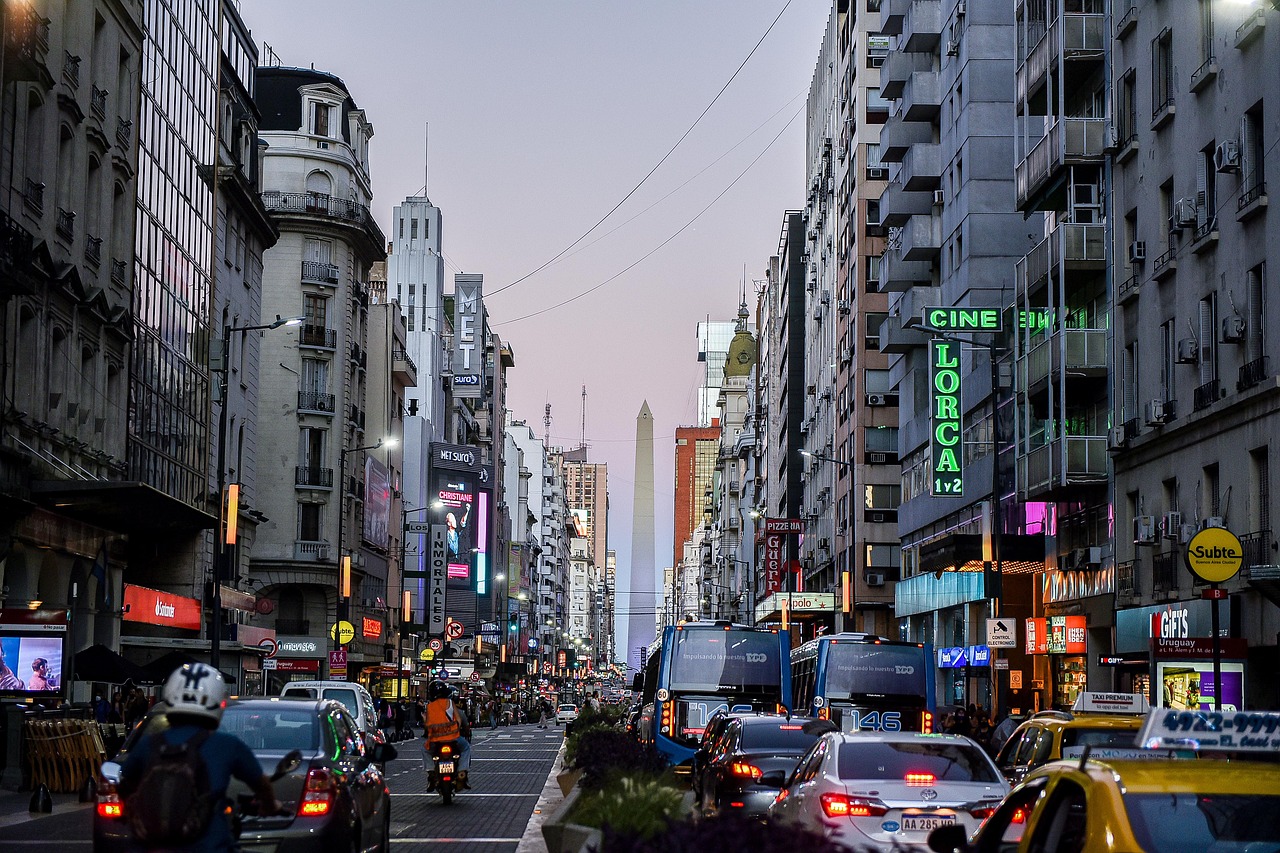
875 578
1144 530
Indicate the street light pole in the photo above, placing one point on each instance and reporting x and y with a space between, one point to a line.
847 585
225 545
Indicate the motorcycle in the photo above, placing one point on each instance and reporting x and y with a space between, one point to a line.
442 773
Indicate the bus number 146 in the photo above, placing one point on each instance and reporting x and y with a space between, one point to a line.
881 721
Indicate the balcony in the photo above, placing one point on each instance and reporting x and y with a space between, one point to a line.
1167 263
1129 288
1206 235
898 135
340 210
1206 395
1079 39
1127 580
921 26
921 98
311 551
896 274
316 272
403 369
1070 247
1204 75
1251 28
1253 200
895 339
1126 20
1066 355
1061 464
921 238
1069 142
93 251
71 71
316 401
317 336
119 272
893 14
897 69
33 196
1164 112
124 133
921 168
1252 374
898 206
65 225
98 103
1164 574
310 476
27 47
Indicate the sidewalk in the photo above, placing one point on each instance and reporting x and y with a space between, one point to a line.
14 805
548 801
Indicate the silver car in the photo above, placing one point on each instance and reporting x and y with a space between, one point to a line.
884 791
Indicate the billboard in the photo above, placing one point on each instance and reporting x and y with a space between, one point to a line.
31 651
947 431
468 336
461 497
377 502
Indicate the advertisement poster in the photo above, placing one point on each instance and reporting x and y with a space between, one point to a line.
30 664
1189 685
377 502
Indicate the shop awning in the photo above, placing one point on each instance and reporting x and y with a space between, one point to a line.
99 663
1020 553
162 667
128 507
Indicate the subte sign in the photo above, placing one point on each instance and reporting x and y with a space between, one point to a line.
945 440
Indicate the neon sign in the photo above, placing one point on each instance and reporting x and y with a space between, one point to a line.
945 439
963 319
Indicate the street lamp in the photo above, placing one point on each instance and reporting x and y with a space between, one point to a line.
341 609
228 500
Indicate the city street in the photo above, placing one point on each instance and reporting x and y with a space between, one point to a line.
509 768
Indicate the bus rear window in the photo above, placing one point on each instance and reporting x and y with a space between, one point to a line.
874 669
717 660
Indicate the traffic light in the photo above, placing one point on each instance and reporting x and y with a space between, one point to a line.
513 622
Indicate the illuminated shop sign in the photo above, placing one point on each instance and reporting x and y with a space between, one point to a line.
963 319
945 440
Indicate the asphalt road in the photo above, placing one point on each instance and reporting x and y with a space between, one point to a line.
509 768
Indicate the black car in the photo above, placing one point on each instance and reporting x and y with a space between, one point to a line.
707 746
750 759
336 799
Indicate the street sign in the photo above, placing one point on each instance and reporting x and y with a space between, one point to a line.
270 663
417 527
1215 555
1000 663
1214 593
344 632
1002 633
435 644
427 654
475 676
338 658
1015 679
454 630
270 645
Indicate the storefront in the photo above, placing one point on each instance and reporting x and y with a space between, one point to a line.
1167 651
1064 640
296 659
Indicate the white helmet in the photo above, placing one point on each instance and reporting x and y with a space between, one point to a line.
196 689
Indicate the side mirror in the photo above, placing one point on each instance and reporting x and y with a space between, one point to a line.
774 778
381 753
948 838
287 765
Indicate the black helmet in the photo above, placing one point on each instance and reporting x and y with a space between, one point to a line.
438 690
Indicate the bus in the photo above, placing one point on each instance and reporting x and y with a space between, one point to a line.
699 668
864 682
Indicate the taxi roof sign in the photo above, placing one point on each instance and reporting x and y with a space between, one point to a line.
1242 731
1111 703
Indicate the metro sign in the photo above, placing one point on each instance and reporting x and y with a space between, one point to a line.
946 438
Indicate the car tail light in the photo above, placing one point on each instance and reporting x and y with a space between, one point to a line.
983 812
1019 815
742 768
318 793
926 723
842 805
920 779
110 805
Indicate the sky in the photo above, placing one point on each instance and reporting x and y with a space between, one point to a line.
527 123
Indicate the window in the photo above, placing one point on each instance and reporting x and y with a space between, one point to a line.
311 447
1168 343
315 375
872 340
881 439
1261 486
873 212
1206 30
877 381
884 556
1212 490
1252 173
1206 188
1255 331
316 309
1161 72
1126 108
309 522
881 496
1129 384
413 229
320 119
1208 351
1061 827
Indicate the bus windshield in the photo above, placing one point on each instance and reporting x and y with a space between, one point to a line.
856 670
720 661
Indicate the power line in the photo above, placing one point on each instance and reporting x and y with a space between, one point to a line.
670 151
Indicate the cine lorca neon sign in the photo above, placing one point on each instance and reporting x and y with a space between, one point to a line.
945 441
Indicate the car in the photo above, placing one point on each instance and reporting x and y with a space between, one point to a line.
567 712
353 696
749 758
1100 721
710 736
336 799
888 790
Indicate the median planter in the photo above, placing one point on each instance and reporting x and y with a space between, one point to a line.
567 779
562 836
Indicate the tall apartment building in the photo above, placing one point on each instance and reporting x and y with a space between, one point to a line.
415 281
696 452
325 478
1195 401
69 113
587 491
955 238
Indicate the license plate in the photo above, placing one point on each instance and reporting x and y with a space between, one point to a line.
445 767
926 823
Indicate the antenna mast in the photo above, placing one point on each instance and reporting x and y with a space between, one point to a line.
584 418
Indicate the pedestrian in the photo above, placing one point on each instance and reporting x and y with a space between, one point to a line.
1002 732
101 708
542 716
493 714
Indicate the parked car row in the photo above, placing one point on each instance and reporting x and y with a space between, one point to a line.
1108 776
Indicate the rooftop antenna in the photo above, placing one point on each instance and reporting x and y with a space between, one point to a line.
546 423
426 161
584 419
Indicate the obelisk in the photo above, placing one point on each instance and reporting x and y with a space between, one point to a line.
642 609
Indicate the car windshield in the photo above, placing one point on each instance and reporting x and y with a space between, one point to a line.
1193 823
762 736
946 762
1081 737
273 728
346 697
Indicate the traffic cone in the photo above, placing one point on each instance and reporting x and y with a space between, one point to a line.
40 800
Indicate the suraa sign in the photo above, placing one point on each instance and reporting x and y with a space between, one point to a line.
946 442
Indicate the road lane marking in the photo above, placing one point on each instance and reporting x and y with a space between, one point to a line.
455 840
468 794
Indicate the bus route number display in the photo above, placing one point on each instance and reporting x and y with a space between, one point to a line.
945 441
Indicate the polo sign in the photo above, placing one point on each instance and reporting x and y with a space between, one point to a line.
945 443
1215 555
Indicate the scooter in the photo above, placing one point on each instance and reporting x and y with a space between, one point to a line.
442 775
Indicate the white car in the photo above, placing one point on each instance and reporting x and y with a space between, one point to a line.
566 713
877 790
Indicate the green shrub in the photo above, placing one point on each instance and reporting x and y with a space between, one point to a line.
602 753
634 806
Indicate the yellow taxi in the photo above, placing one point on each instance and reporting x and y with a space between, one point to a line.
1165 804
1106 723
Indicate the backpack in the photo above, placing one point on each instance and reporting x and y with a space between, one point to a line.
172 805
